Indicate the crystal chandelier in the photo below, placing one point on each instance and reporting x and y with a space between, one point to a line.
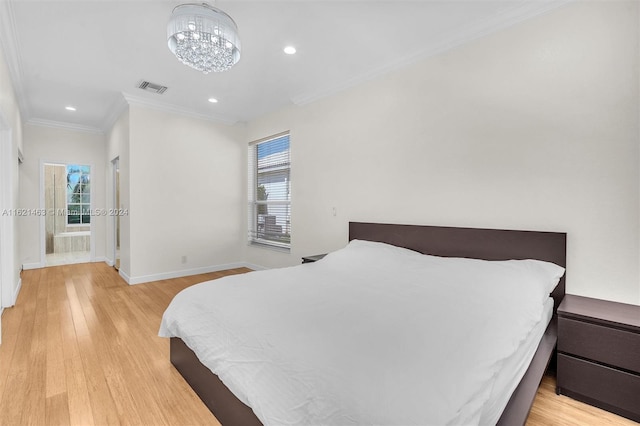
203 37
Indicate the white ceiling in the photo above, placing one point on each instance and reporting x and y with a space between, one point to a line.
92 53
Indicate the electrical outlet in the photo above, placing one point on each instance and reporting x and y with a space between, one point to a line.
183 259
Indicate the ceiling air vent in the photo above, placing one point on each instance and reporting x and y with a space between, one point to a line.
151 87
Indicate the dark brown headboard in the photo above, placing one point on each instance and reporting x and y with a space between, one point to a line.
488 244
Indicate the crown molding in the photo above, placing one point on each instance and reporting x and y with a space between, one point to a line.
63 125
11 48
450 40
116 110
161 106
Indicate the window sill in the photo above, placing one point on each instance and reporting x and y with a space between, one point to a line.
271 246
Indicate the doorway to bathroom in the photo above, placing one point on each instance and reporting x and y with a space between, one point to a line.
67 201
115 163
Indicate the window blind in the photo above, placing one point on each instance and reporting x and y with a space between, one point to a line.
269 165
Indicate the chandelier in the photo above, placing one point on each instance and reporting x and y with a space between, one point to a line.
203 37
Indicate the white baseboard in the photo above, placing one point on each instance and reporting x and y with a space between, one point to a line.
124 276
166 275
186 272
37 265
15 294
14 297
34 265
254 266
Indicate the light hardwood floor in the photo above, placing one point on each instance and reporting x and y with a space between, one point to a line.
81 347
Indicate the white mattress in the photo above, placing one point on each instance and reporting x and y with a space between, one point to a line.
369 335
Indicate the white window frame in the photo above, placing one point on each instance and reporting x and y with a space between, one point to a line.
80 204
255 237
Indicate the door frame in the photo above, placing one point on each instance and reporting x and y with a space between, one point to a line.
7 222
115 166
43 230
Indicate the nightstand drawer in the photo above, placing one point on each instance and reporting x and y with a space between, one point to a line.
606 345
604 387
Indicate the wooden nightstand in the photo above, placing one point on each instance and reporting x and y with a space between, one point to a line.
314 258
599 354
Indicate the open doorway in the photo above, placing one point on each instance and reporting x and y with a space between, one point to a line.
67 200
116 217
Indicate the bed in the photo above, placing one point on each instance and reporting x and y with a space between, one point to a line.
445 242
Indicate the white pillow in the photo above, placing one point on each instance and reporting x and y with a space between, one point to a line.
371 251
548 273
380 249
537 275
536 278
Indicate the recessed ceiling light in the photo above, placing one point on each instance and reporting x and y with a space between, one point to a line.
213 100
289 50
70 108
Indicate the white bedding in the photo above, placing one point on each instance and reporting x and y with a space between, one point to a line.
372 334
514 368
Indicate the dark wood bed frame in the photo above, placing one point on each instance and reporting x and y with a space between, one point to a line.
488 244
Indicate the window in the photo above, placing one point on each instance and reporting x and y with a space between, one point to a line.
270 191
78 195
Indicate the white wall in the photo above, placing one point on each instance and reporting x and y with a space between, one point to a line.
534 127
118 147
11 142
64 146
186 194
